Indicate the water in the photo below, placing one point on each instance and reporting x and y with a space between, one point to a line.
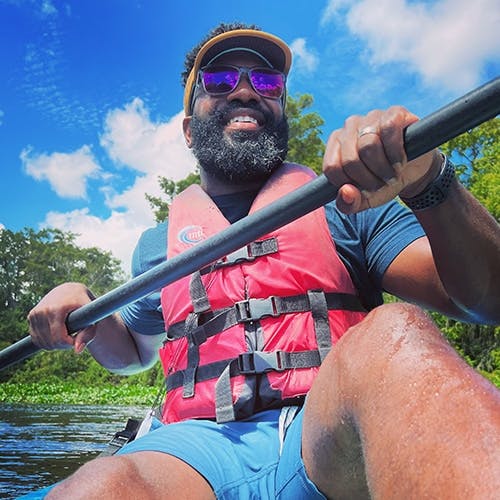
40 445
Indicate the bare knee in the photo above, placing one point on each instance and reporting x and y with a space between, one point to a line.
390 335
389 380
107 477
147 474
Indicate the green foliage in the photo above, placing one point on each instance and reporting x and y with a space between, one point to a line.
479 345
305 145
477 157
170 188
57 392
31 264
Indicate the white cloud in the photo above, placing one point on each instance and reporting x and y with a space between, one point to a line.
448 41
149 149
47 8
67 173
332 9
304 59
152 149
116 234
132 139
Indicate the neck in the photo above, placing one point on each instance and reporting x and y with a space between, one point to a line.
216 187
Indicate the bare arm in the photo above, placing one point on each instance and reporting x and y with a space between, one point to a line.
456 269
109 341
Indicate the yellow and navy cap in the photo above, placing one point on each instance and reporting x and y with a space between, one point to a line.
271 49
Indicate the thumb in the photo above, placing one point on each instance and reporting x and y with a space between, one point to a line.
349 199
82 340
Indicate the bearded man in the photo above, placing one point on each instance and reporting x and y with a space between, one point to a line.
286 377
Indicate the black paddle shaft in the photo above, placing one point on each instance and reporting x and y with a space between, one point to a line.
461 115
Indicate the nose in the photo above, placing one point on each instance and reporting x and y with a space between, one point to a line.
244 91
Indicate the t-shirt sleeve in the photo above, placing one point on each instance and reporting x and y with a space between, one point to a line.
388 230
144 316
369 241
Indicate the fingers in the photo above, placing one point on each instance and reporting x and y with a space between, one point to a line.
47 320
368 154
48 330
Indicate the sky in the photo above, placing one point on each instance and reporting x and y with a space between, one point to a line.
91 99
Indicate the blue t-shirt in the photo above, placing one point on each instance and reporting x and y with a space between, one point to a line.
367 243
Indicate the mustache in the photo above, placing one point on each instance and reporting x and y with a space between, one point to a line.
220 115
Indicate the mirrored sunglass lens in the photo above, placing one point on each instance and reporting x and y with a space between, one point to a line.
220 81
267 83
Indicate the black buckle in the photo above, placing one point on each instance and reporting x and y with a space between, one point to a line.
260 362
254 309
242 254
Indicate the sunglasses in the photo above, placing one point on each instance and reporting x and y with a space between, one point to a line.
220 80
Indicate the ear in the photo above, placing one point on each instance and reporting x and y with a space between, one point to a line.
187 131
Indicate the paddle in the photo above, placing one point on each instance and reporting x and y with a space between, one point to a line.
461 115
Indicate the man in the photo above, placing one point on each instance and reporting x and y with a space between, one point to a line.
392 411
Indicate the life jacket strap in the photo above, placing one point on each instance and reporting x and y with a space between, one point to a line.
319 311
256 309
248 363
248 253
252 363
201 304
249 310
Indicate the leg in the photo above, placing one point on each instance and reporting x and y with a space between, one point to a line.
396 413
147 474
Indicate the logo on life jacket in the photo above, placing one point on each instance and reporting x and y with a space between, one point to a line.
190 235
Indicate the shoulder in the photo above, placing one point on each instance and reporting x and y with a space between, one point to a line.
388 218
151 249
367 243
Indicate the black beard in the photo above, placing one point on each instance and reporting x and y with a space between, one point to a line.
244 156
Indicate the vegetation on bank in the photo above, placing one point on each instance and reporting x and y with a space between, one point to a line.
32 263
63 392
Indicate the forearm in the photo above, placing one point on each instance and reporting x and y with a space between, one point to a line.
114 347
465 242
109 341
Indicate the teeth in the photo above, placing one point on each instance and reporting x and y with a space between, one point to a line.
243 119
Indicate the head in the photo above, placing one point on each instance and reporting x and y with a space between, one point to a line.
234 103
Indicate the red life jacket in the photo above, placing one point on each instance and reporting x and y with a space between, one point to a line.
249 332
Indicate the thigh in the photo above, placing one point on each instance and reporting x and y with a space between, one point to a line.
237 459
394 407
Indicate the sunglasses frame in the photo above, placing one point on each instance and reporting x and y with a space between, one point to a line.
241 70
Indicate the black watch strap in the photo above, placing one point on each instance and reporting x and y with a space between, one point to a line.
436 192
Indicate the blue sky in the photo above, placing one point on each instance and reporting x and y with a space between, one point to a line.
91 100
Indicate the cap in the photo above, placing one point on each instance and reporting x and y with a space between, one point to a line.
274 51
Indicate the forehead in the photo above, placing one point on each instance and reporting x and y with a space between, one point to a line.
239 58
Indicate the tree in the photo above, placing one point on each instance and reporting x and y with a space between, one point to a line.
31 264
305 145
170 188
477 157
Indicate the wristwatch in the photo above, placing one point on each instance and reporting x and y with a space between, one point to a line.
436 192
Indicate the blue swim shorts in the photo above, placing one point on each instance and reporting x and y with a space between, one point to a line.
257 458
247 459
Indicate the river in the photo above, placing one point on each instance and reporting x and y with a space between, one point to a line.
40 445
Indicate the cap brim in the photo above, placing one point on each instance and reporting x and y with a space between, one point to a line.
275 50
